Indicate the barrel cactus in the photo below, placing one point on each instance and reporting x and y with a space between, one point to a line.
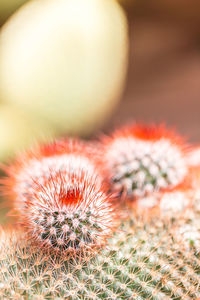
60 196
151 260
143 159
66 245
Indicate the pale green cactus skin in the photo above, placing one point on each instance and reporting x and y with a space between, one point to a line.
144 260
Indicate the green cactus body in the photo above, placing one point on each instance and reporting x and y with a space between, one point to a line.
141 261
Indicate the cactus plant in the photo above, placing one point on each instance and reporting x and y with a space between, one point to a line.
142 261
60 197
144 159
60 194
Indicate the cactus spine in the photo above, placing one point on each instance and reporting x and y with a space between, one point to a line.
142 261
61 199
64 206
142 160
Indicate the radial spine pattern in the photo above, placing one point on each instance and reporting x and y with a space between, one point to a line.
157 260
60 198
142 160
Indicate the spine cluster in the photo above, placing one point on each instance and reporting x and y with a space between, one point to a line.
142 160
140 262
61 199
66 197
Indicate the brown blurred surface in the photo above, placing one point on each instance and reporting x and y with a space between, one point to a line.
164 74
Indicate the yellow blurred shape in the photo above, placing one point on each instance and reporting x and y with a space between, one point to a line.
65 61
19 131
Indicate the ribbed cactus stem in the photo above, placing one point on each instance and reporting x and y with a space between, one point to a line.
142 261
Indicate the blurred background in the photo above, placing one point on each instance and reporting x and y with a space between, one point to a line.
77 67
163 81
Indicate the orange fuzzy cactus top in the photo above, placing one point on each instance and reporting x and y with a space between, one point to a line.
144 159
60 196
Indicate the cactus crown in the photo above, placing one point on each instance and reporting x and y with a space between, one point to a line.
61 199
142 160
69 217
64 207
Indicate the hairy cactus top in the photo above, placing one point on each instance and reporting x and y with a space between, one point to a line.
64 207
142 160
60 198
